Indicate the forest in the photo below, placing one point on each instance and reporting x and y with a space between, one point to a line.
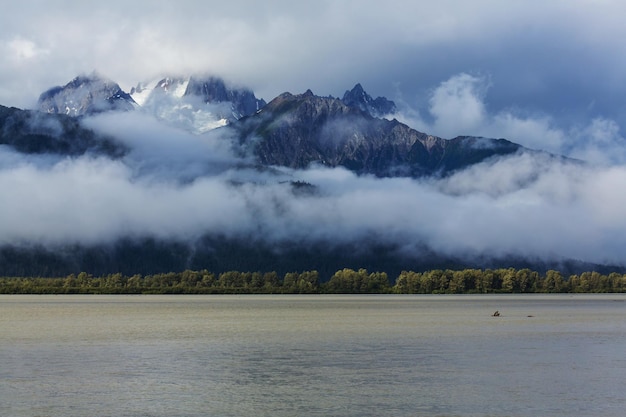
344 281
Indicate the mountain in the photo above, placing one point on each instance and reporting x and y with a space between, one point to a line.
85 95
193 103
378 107
33 132
268 232
214 90
209 90
196 104
298 130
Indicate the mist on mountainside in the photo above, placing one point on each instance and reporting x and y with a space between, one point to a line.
199 196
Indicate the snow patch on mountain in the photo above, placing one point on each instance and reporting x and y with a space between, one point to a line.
195 104
166 100
141 92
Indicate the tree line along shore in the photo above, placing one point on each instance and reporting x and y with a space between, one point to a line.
344 281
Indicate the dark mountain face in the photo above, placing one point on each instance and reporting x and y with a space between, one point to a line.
85 95
378 107
34 132
298 130
214 90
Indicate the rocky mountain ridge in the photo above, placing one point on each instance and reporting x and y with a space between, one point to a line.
293 131
378 107
298 130
195 103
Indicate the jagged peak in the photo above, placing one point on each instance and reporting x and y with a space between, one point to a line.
357 93
357 97
356 90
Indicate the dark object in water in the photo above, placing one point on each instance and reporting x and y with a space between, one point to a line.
496 314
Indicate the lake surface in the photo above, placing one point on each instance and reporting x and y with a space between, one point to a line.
325 355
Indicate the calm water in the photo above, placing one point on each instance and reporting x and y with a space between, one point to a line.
312 356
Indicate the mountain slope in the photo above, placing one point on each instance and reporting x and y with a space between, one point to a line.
33 132
298 130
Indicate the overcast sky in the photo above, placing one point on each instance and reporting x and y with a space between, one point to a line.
517 68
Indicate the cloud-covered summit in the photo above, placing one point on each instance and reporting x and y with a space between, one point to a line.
85 95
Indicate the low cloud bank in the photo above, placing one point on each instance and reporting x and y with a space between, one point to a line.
180 187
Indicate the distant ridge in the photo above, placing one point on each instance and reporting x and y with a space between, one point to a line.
298 130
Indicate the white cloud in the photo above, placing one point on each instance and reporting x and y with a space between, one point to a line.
535 131
162 151
522 205
457 107
600 142
21 50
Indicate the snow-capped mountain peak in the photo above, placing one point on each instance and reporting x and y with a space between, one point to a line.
166 99
198 104
174 86
193 103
